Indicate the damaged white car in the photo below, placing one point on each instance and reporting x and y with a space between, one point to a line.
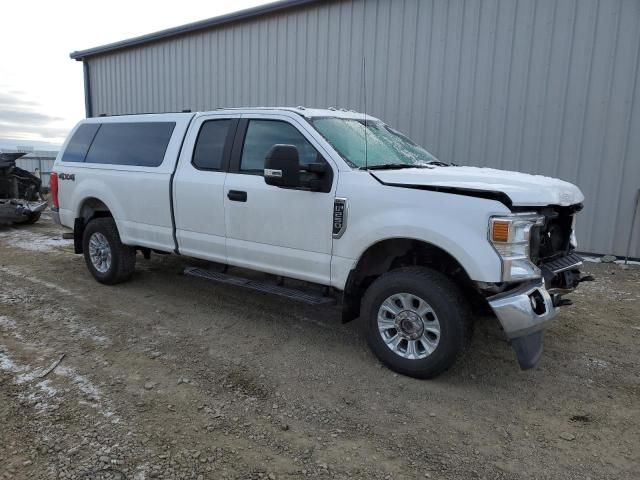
21 198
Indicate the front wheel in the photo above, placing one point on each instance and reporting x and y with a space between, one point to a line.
108 259
417 321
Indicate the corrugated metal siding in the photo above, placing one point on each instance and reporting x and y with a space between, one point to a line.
545 86
41 166
39 162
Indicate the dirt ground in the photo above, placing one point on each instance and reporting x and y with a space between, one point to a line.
170 376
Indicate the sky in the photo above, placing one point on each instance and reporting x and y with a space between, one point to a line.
41 88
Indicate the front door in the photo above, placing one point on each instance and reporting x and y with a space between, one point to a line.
279 230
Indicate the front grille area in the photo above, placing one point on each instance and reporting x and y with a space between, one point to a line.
552 240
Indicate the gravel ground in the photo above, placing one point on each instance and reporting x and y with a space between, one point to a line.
174 377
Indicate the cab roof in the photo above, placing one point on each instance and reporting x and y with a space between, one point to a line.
307 112
302 111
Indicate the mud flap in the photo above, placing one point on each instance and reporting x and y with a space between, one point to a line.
78 231
528 349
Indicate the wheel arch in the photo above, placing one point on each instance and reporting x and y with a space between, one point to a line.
393 253
91 207
88 209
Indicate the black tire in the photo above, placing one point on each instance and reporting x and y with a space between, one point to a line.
123 257
31 219
448 304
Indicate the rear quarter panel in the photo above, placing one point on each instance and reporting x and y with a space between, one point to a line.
138 197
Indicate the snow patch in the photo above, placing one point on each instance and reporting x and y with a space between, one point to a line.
82 382
23 374
7 323
77 325
32 241
7 364
38 392
87 332
92 392
36 395
39 399
46 388
27 377
24 276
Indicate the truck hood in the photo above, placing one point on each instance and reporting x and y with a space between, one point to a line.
522 189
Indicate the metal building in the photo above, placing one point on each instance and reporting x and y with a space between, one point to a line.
541 86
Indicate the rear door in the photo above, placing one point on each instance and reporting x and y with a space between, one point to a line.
283 231
199 187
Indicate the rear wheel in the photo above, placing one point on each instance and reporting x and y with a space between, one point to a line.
417 321
108 259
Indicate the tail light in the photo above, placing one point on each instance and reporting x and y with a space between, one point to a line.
53 188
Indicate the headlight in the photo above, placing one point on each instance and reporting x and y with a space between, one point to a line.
509 235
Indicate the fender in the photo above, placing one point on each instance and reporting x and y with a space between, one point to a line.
481 263
454 223
80 222
94 187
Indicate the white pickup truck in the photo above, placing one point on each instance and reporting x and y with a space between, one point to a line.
335 198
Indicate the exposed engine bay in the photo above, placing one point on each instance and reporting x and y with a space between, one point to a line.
552 248
553 239
21 198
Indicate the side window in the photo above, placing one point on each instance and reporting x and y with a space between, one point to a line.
209 149
264 134
79 144
137 144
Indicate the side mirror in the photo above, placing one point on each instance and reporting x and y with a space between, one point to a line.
282 166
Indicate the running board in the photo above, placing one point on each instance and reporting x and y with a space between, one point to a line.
290 293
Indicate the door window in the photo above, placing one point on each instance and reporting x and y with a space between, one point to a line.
209 150
264 134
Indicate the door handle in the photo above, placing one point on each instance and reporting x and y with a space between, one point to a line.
237 196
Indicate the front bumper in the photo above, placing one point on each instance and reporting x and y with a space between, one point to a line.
526 310
524 313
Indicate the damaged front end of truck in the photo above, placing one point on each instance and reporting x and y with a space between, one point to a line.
21 199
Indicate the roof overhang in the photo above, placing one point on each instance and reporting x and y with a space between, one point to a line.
192 27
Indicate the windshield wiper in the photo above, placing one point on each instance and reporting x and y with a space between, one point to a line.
393 166
438 163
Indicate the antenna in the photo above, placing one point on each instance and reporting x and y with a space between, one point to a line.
364 87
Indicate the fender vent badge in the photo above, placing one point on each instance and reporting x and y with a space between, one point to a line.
339 217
